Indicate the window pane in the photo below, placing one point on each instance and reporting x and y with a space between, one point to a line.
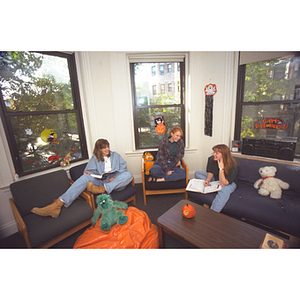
256 123
277 79
35 82
42 140
146 80
148 137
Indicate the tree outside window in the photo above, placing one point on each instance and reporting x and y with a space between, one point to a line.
269 89
40 109
156 103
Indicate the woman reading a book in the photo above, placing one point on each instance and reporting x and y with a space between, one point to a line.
221 167
103 161
168 159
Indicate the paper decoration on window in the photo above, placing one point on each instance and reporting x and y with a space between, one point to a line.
160 127
271 123
210 90
28 131
49 136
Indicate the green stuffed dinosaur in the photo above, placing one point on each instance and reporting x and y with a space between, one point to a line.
110 216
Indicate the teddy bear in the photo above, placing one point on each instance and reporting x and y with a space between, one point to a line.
108 209
268 184
148 162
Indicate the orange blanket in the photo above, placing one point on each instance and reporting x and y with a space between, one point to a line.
137 233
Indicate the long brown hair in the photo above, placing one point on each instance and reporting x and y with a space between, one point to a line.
228 160
100 144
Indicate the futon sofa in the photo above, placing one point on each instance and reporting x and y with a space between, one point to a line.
282 215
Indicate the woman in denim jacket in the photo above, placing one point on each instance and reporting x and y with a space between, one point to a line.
103 161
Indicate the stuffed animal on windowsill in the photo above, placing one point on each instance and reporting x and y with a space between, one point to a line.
148 162
67 158
107 208
268 184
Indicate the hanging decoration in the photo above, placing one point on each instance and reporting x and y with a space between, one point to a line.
49 136
210 90
160 127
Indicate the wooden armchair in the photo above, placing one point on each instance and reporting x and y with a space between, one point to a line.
158 188
127 195
39 191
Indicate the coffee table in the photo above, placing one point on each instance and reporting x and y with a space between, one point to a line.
209 229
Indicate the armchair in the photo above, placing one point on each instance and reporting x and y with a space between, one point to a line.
157 188
43 232
127 195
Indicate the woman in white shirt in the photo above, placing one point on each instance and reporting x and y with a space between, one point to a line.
103 161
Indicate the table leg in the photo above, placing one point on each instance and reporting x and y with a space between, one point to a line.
161 237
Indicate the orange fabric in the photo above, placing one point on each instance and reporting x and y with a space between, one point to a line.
137 233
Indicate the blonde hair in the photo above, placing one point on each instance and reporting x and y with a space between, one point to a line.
175 129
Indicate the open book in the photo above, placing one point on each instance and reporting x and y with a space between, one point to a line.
103 175
197 185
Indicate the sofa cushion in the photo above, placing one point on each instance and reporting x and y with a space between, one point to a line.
42 229
39 190
165 185
248 171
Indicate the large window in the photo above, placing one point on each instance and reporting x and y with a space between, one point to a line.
268 102
40 109
153 107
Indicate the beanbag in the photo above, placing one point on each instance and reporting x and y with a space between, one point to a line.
137 233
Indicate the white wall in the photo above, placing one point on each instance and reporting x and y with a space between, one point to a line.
107 109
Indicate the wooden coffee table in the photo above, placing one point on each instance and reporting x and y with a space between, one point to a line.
209 229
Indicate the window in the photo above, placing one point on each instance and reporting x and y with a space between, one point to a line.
268 102
169 68
162 69
154 90
153 69
170 106
40 109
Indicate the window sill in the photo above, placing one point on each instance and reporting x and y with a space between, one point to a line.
140 152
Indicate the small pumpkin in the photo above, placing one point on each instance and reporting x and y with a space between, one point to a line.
188 211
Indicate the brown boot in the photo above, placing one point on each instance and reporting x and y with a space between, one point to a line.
95 189
52 209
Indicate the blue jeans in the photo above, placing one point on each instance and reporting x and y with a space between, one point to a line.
119 183
178 174
222 196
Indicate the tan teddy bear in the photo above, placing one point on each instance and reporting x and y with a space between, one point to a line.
268 185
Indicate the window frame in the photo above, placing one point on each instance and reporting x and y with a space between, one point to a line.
240 101
77 110
134 100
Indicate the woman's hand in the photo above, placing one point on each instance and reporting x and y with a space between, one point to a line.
206 183
170 172
86 173
111 179
221 163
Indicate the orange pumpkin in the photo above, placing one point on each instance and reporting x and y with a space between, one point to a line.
188 211
160 128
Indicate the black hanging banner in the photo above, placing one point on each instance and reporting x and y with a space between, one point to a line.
209 90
